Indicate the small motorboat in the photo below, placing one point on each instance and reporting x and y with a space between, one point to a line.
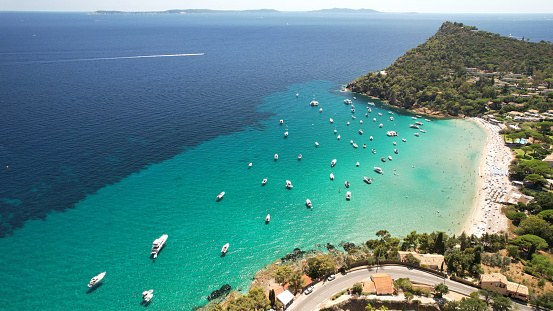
347 101
347 123
395 143
333 163
352 110
390 158
419 123
289 184
360 132
331 121
374 119
225 248
95 280
285 134
417 134
355 145
395 151
378 170
338 136
357 164
427 120
299 156
250 165
423 131
268 218
347 184
331 176
383 159
366 115
391 118
371 138
413 126
367 180
419 116
380 125
148 295
316 144
335 131
220 196
360 121
276 156
379 114
403 139
308 203
320 109
264 182
414 118
364 145
353 117
348 195
374 150
281 121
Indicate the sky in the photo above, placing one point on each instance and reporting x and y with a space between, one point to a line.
421 6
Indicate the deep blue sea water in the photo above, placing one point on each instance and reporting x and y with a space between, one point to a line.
101 153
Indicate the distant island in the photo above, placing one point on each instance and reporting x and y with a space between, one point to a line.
461 71
208 11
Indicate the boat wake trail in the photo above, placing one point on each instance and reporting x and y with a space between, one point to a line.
102 58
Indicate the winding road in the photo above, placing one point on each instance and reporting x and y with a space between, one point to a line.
323 291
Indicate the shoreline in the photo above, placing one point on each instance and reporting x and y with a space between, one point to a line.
486 215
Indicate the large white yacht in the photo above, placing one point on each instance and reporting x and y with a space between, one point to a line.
95 280
158 245
391 133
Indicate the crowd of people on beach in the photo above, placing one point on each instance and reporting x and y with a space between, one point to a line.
494 183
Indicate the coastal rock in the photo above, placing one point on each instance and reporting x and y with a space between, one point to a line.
224 290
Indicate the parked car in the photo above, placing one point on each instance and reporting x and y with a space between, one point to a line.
308 290
331 277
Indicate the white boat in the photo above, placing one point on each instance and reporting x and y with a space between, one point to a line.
264 181
347 184
148 295
360 121
276 156
286 134
268 218
404 140
353 117
335 131
331 176
391 133
419 116
281 121
158 245
355 145
366 115
347 123
352 110
351 142
390 112
320 109
370 110
414 126
390 158
314 103
347 101
297 94
357 164
395 143
427 120
225 248
371 138
361 132
367 180
250 165
371 103
417 134
96 279
423 131
220 196
378 170
331 121
414 118
391 118
338 136
419 123
374 119
289 184
348 195
381 125
396 151
333 163
299 156
374 150
379 114
316 144
308 203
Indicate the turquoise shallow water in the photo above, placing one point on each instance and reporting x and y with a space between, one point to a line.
51 261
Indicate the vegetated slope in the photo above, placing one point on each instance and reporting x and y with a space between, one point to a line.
434 75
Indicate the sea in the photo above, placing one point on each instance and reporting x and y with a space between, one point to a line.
116 129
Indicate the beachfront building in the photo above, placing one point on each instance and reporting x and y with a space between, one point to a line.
497 281
286 298
433 261
379 284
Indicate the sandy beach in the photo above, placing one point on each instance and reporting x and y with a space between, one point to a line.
493 184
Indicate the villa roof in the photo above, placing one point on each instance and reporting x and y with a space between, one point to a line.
383 284
500 278
285 297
